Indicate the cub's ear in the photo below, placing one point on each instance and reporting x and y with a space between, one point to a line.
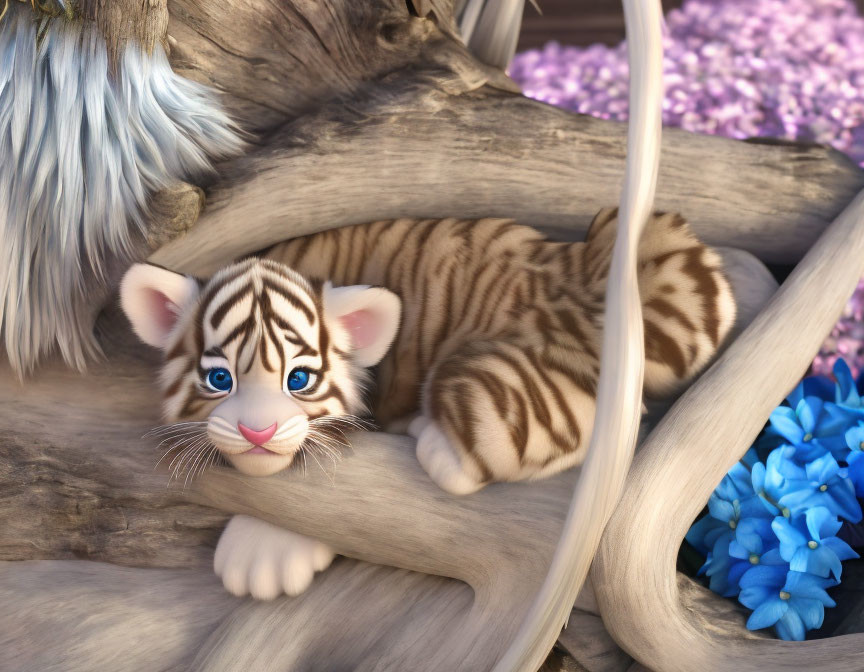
370 315
153 299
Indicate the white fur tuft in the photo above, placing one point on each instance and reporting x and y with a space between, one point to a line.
81 150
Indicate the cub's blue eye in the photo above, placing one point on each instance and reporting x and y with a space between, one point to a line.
301 379
220 380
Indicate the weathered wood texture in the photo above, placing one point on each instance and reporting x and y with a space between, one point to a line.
634 571
275 61
418 151
77 481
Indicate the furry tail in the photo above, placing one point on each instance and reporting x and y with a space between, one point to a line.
687 304
81 149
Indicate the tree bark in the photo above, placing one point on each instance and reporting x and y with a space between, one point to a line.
359 111
404 148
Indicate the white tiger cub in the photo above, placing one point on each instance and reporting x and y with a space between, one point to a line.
496 344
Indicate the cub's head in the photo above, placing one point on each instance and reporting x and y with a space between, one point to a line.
266 361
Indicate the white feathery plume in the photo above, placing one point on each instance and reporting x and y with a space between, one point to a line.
81 150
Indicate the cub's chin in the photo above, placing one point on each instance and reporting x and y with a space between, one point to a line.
260 464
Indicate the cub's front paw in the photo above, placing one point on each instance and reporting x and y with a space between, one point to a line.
441 460
257 558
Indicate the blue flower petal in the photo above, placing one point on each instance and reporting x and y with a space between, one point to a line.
854 437
750 458
751 533
698 531
772 557
855 472
767 614
753 596
840 548
736 571
764 578
809 586
819 518
797 395
721 509
781 465
822 469
812 612
790 538
736 550
785 422
821 561
846 392
808 411
790 627
842 492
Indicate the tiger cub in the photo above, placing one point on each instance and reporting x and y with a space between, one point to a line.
486 338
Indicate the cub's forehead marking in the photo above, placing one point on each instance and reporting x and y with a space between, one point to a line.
256 310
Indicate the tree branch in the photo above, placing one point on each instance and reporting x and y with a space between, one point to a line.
407 148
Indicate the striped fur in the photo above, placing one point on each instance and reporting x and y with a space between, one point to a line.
495 366
258 320
499 343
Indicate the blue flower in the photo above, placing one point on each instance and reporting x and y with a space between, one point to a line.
754 544
793 602
812 386
855 458
770 480
808 543
813 426
846 395
717 566
733 500
751 458
825 485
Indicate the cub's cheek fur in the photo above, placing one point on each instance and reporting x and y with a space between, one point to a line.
259 465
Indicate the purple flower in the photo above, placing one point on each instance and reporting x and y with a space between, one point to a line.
793 602
825 485
808 543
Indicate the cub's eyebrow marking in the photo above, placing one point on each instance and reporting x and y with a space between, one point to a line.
215 351
294 338
291 298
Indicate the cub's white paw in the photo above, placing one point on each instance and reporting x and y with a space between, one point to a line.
257 558
417 425
440 459
401 425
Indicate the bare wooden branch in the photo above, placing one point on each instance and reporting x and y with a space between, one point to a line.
712 425
404 149
77 481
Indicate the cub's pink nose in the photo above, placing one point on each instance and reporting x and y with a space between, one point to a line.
257 436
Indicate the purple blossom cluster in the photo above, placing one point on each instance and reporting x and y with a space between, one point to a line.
790 69
846 339
739 68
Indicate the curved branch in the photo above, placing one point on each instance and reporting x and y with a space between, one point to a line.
407 148
692 448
